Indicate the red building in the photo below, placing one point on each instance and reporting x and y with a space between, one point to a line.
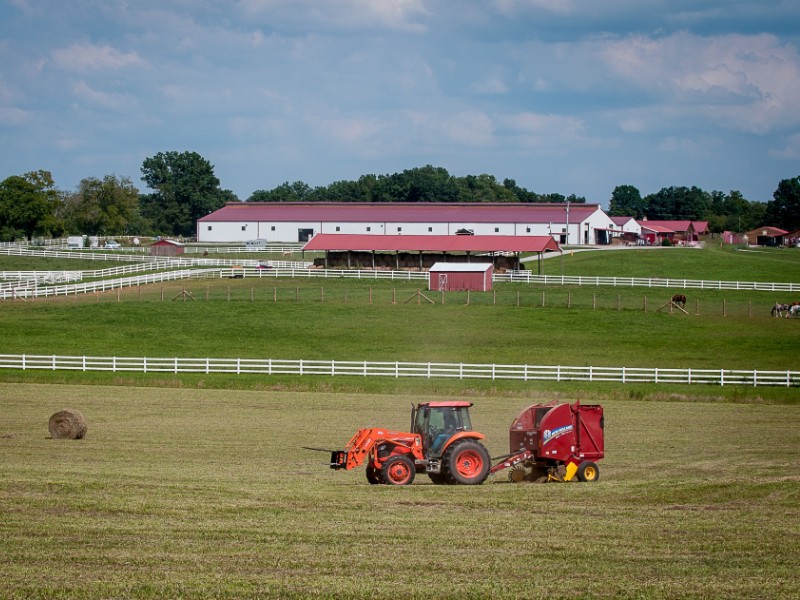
166 248
453 277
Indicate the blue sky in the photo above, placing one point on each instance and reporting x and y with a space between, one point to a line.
563 96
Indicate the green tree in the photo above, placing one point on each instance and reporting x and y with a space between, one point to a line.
28 205
784 209
677 203
107 206
626 201
185 190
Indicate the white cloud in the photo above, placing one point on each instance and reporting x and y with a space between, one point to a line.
85 56
790 149
402 15
100 99
510 7
749 83
11 115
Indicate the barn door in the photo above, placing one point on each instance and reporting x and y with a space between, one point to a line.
443 281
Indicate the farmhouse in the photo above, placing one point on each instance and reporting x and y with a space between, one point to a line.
423 251
299 221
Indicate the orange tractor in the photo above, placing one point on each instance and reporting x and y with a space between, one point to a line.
548 442
441 443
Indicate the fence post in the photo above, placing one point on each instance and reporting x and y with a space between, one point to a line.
645 304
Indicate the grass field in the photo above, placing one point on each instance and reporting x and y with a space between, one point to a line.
206 494
195 486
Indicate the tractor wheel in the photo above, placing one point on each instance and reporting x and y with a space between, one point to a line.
374 475
466 463
398 470
588 471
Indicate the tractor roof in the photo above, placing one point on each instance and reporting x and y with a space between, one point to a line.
447 404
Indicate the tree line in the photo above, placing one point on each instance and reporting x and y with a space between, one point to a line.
184 189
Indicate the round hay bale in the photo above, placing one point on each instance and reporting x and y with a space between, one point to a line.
67 424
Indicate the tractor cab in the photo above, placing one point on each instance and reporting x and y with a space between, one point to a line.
437 422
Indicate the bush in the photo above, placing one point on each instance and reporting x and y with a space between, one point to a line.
666 243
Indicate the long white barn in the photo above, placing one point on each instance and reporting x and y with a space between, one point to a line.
298 222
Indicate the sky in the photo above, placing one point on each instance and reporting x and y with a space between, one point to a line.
562 96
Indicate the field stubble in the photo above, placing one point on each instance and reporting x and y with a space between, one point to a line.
206 493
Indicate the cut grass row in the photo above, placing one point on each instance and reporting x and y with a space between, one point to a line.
203 493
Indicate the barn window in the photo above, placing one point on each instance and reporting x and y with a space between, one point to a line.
430 229
527 230
209 227
244 227
496 229
399 229
369 228
338 228
272 228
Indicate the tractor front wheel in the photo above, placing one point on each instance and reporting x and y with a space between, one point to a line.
398 470
588 471
466 463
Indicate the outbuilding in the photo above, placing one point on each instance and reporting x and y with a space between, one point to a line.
166 248
453 277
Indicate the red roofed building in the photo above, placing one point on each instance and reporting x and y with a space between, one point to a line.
300 221
422 251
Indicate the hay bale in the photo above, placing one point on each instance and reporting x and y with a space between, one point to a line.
67 424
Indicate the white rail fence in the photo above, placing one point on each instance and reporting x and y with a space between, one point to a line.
24 292
397 369
649 282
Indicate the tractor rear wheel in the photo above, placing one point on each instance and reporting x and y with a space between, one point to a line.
398 470
467 463
588 471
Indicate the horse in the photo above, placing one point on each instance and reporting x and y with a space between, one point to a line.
679 300
791 309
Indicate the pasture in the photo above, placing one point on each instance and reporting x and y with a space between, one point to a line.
207 494
195 486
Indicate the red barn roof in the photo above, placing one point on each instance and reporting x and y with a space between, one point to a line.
431 243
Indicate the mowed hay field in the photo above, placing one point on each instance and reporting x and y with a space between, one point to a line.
207 494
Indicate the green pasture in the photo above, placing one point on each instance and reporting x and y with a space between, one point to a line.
730 263
207 494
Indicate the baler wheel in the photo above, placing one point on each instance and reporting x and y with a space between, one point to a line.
588 471
398 470
517 474
467 463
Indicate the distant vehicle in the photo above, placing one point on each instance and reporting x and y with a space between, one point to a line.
74 242
112 245
259 243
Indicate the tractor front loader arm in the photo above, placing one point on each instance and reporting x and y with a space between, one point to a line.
361 444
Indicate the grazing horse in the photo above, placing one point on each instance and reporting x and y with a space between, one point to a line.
791 310
679 300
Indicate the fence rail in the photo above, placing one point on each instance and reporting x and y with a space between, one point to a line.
399 369
649 282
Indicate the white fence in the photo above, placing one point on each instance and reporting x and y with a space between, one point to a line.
649 282
398 369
